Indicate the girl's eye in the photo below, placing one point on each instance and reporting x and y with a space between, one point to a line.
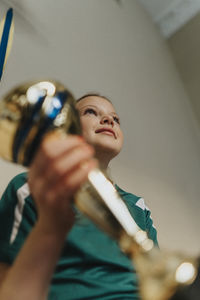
90 111
116 119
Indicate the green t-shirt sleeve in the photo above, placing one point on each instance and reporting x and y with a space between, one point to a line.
7 211
150 228
17 216
140 213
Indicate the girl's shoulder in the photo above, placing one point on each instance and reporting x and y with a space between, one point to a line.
127 196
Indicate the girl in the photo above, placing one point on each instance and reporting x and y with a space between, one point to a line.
49 249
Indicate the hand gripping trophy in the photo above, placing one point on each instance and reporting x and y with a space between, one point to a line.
32 110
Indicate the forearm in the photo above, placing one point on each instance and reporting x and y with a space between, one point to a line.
31 273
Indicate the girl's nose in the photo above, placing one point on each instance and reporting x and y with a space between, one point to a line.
106 119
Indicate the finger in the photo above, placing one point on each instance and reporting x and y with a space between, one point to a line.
50 149
72 181
43 180
59 168
66 163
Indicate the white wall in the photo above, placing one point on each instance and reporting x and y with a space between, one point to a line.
185 47
99 45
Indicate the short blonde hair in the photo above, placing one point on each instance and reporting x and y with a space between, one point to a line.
92 95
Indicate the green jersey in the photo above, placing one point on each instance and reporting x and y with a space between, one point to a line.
91 265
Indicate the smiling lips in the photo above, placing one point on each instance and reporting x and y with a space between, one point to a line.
106 130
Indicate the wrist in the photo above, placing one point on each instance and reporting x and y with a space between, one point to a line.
53 228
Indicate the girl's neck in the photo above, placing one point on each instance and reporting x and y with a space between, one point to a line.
103 161
103 165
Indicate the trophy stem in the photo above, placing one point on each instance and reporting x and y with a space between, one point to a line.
99 199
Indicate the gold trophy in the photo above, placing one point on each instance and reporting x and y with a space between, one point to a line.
34 109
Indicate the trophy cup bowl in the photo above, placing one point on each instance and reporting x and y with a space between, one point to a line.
27 114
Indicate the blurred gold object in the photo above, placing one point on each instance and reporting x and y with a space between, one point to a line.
32 110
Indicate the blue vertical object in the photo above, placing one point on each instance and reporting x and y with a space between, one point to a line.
5 38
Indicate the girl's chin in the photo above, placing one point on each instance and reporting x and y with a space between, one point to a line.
107 149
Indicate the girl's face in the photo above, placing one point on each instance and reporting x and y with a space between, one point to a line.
100 125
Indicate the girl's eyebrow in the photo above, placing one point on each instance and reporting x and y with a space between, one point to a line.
90 105
114 113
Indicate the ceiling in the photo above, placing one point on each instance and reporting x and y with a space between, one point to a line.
171 15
